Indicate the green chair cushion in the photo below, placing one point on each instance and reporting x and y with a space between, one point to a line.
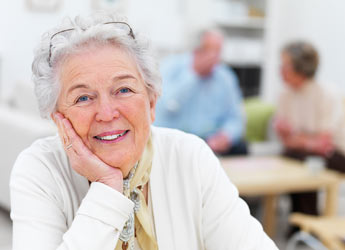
258 115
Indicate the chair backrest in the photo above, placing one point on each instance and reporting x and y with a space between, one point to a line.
259 114
17 131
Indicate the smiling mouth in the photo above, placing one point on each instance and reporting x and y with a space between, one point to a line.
111 137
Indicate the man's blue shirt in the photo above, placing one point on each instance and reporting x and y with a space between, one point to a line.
202 106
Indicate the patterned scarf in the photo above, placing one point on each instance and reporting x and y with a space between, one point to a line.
139 223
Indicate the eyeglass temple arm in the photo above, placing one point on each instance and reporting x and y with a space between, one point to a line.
61 31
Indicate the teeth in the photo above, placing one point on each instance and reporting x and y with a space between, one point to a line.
111 137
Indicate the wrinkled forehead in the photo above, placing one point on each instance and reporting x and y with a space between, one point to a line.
94 48
93 45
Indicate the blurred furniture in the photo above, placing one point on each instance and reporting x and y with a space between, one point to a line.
244 25
307 239
271 176
249 79
260 135
20 125
330 230
258 114
319 232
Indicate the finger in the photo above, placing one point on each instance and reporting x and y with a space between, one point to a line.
77 143
58 117
66 140
56 120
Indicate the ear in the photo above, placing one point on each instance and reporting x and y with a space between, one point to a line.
153 101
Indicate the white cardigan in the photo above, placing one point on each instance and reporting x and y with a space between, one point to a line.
195 206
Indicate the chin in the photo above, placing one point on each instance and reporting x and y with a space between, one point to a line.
120 161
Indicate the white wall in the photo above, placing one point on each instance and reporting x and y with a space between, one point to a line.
168 23
321 22
171 23
21 30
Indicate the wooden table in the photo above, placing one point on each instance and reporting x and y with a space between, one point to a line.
272 176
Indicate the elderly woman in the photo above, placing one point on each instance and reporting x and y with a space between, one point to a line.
110 180
310 118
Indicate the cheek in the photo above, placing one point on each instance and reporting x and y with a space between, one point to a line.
141 118
81 123
284 75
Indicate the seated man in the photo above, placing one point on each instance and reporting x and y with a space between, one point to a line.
309 119
202 96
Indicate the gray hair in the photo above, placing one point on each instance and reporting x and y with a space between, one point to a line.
199 36
304 57
87 30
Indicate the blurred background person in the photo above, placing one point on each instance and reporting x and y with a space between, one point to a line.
309 117
202 96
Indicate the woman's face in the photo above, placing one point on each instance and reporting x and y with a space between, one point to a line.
105 98
289 75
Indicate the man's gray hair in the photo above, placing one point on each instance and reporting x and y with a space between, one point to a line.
80 32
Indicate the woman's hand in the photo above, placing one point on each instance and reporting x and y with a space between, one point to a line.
82 160
321 144
282 127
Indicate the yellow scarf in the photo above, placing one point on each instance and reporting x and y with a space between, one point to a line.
143 227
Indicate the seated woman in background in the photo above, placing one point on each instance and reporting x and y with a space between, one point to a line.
110 180
310 119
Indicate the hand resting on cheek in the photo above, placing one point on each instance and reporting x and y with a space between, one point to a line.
82 160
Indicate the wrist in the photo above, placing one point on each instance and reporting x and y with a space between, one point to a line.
309 145
115 183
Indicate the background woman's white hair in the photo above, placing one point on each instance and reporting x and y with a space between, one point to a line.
89 29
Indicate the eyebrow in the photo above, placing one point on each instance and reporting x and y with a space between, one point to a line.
124 76
78 86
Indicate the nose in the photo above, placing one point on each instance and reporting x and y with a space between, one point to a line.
107 110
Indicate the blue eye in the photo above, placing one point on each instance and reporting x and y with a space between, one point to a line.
83 98
124 90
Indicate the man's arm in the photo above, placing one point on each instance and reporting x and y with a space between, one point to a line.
234 124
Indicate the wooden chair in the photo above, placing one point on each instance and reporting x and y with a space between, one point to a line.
329 230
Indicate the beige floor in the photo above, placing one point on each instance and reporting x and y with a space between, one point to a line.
283 212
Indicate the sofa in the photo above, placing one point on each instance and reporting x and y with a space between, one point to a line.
20 125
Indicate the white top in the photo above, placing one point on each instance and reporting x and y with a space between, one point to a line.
195 206
314 109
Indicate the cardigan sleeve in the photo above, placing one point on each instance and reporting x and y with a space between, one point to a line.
226 220
39 221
